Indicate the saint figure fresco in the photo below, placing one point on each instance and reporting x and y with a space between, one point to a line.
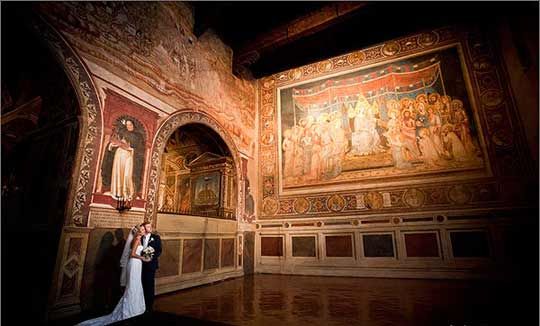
123 161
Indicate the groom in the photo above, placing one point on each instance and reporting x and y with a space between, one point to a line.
149 268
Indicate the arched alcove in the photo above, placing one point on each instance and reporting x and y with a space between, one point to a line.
174 122
200 241
197 174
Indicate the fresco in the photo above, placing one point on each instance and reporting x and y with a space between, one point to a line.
185 194
206 189
128 132
123 162
411 116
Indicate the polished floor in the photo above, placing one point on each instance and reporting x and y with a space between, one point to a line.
306 300
282 300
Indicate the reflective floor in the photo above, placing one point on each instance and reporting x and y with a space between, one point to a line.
307 300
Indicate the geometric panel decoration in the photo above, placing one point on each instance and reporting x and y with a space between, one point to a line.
71 270
339 246
378 245
470 244
191 257
303 246
421 244
168 261
211 253
272 246
227 252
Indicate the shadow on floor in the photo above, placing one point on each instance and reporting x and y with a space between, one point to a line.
157 318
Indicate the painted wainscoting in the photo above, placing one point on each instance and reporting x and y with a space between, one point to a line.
466 245
196 251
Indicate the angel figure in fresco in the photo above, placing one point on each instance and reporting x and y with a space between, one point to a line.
123 161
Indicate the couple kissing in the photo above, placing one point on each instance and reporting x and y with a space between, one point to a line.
139 263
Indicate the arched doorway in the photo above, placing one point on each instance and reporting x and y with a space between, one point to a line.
193 201
41 125
164 133
197 174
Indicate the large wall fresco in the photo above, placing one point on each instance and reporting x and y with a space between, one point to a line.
424 122
403 118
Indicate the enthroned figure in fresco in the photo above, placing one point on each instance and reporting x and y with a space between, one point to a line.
365 138
375 114
123 161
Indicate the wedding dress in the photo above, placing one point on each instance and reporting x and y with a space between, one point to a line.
132 302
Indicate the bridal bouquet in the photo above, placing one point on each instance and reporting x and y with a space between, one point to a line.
148 252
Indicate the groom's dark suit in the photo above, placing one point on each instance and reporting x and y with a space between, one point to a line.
148 274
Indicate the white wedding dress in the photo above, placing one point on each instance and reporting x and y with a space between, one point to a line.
132 302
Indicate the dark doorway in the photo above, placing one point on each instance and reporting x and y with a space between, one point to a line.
40 131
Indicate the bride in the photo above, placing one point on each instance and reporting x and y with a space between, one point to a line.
132 302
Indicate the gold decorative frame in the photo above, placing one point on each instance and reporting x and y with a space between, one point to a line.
498 124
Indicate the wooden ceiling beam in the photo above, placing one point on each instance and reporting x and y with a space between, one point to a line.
303 26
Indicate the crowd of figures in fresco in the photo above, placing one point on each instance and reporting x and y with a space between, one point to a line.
428 132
